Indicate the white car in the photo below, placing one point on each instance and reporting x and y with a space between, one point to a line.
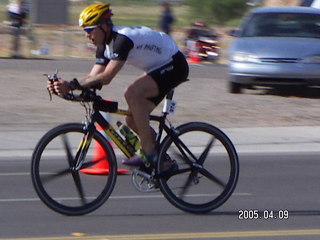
276 46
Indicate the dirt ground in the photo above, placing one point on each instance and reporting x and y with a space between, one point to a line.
25 105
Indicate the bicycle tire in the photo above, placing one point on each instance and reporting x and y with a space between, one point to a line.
58 184
197 185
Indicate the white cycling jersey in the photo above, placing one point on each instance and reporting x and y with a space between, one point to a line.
140 46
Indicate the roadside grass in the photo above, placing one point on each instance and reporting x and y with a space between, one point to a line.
134 12
69 40
146 13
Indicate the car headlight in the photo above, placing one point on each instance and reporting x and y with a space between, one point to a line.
244 57
311 60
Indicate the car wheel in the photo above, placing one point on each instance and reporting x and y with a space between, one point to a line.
234 87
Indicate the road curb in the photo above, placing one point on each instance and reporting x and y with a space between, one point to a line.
20 144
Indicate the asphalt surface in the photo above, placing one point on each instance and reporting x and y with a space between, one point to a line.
287 182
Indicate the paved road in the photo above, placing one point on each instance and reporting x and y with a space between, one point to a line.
267 182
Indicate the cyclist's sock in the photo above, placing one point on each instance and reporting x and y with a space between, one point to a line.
140 158
150 159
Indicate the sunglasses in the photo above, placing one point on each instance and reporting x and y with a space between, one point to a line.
89 29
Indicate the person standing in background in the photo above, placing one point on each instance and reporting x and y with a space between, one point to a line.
18 12
166 18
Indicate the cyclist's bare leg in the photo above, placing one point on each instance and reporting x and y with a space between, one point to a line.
130 123
140 106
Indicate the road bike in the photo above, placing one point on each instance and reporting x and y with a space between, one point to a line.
196 168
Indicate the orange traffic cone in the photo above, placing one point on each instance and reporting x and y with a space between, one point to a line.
101 165
193 55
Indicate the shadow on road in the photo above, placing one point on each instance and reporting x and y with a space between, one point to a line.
302 92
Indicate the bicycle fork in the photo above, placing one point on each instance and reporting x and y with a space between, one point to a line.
83 147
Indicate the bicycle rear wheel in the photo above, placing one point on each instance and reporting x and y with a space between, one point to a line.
198 167
59 183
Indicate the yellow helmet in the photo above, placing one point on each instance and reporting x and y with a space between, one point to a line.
91 15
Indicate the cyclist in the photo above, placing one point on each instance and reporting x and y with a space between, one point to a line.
164 67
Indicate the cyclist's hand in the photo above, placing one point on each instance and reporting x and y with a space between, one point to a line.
50 87
61 87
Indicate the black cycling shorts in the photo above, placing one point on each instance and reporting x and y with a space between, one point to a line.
169 76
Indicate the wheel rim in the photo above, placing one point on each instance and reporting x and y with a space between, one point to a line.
200 187
62 187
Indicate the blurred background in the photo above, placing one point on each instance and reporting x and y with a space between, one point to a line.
51 27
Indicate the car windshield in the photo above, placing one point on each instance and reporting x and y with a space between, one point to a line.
283 25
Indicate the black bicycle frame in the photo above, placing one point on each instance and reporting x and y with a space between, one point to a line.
123 145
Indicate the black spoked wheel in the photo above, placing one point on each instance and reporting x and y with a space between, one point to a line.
198 168
68 187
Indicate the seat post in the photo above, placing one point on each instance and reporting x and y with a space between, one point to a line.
170 94
169 105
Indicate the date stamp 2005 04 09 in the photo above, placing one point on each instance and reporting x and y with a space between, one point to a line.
265 214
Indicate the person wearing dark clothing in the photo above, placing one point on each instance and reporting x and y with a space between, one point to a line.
18 12
166 19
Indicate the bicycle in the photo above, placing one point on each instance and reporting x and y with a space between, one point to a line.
196 170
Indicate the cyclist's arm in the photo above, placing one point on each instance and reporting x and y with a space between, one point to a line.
96 69
105 69
102 74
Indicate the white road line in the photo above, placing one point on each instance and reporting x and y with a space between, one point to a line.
113 197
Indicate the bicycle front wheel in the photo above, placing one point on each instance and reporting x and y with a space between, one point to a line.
198 167
61 182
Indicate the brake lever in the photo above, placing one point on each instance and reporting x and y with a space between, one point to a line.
52 78
55 75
